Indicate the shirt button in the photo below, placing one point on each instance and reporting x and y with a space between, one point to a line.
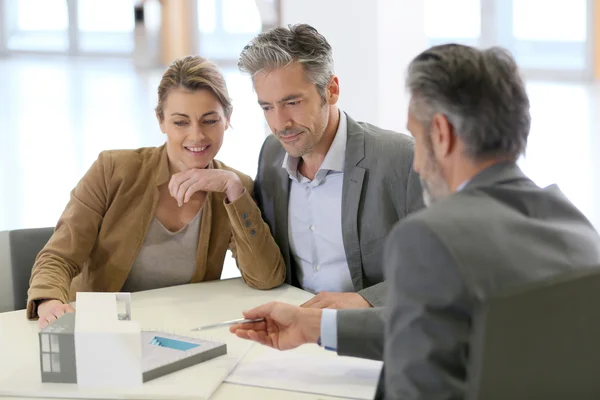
318 267
244 216
312 227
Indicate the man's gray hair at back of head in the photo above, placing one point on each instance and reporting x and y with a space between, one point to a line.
481 94
281 47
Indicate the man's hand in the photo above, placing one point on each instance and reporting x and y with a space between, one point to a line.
285 326
51 310
337 301
184 184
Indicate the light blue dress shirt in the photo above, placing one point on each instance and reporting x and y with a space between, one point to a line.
315 220
329 329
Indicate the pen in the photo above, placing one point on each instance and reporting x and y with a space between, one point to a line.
229 323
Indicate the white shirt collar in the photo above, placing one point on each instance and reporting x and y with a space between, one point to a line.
462 185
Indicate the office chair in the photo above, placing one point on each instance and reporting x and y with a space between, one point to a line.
541 341
24 246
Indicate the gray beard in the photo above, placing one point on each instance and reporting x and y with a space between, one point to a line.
434 194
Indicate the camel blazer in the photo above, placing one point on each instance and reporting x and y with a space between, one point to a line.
103 227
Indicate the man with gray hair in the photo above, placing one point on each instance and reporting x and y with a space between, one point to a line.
329 187
488 228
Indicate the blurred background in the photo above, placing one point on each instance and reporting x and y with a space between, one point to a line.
80 76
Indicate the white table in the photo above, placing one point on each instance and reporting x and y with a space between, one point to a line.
176 309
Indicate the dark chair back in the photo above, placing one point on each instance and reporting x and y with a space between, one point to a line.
539 342
25 244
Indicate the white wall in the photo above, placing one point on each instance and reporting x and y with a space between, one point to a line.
6 288
373 41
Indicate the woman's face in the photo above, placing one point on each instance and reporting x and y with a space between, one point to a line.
194 123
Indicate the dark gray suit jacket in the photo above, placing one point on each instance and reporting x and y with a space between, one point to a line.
501 231
379 189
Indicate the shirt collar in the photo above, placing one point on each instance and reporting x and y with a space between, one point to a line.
336 155
462 185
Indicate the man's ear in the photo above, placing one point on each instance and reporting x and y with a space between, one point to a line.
333 90
443 138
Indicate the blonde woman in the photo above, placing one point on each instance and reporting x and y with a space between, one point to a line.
163 216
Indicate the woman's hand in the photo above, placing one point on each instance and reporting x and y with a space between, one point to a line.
51 310
184 184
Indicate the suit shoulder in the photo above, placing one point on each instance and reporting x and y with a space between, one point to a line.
388 146
469 212
452 210
388 151
387 138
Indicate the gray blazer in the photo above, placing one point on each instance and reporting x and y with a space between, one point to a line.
379 189
499 232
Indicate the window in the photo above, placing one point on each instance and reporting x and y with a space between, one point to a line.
45 343
226 26
56 363
241 16
546 38
46 366
54 347
557 40
37 25
50 348
206 16
564 22
106 26
47 26
42 15
441 18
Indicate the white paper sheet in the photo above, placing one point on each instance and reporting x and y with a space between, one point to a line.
330 375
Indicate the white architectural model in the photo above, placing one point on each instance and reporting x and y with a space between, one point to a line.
100 345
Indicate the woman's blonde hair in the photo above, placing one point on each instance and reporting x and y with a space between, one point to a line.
193 73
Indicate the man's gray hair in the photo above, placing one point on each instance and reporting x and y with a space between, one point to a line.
281 47
481 94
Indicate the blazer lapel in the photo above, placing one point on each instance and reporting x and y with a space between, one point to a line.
351 194
282 195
